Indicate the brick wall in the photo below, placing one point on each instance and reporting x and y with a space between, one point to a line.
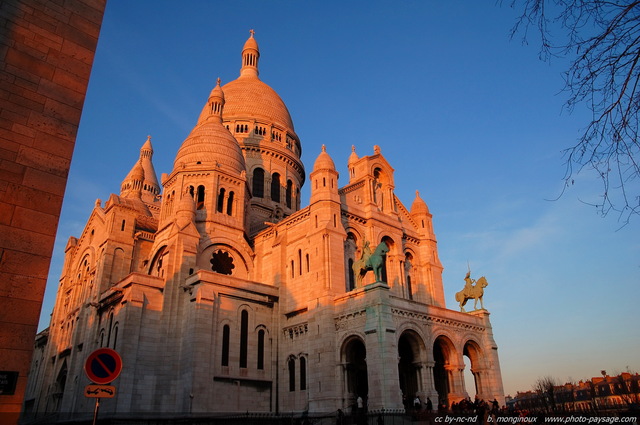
46 51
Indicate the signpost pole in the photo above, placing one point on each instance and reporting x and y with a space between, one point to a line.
95 412
102 367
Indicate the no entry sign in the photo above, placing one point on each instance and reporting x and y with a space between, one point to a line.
103 366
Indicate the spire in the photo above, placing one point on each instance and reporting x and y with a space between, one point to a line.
250 56
132 184
353 157
142 176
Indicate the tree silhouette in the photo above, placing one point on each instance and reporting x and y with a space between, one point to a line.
545 387
602 41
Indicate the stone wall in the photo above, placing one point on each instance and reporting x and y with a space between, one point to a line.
46 51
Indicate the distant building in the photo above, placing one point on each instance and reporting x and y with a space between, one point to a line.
222 294
600 394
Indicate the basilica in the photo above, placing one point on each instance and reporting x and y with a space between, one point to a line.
223 294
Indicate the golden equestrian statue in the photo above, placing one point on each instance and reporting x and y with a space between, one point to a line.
472 291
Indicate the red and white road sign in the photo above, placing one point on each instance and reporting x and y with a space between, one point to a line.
103 366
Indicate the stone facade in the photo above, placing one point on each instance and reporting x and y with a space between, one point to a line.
224 295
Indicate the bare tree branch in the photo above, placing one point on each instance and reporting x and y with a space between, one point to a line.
602 41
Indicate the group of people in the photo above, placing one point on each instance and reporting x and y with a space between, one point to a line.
477 406
464 406
417 404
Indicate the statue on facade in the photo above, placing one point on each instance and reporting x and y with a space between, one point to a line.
370 261
472 290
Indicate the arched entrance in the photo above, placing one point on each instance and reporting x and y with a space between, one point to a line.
410 351
443 354
474 355
354 355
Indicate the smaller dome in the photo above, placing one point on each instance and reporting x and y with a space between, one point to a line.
185 210
210 143
186 204
213 145
251 42
324 161
419 206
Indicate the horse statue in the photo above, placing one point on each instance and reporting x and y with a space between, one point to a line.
472 291
370 261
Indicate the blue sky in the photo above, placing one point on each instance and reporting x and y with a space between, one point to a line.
470 118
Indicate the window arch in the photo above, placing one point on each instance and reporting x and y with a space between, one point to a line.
200 198
385 266
350 252
292 373
244 336
157 264
258 183
275 187
289 193
230 203
260 362
220 200
225 345
115 335
303 373
408 260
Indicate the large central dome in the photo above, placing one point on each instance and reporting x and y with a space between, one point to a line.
260 122
248 98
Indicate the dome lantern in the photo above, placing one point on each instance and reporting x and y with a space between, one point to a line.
250 56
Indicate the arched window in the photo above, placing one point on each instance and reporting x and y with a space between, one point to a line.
225 345
110 328
303 373
289 193
115 336
292 374
299 262
200 198
244 335
408 259
352 281
258 183
275 187
157 264
220 200
261 349
230 204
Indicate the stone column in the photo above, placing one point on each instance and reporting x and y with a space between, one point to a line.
382 350
429 382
